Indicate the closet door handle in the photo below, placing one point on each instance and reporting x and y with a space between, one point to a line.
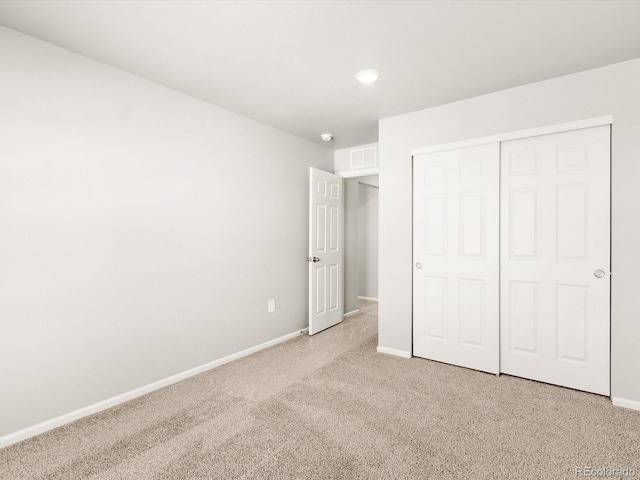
418 265
599 273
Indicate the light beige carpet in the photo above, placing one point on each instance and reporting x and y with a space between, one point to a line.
362 415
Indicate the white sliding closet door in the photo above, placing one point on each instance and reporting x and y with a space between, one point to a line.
555 259
456 255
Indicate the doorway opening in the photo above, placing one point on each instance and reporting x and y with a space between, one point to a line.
360 242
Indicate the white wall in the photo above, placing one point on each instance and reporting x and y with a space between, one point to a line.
368 240
611 90
143 231
372 180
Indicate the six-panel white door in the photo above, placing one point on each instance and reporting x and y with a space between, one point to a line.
325 250
555 258
456 257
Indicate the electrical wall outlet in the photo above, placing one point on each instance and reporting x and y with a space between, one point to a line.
271 306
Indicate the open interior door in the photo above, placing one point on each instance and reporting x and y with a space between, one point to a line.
325 250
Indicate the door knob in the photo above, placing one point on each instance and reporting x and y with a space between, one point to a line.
599 273
418 265
314 259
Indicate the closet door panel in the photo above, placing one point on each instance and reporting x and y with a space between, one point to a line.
456 255
555 258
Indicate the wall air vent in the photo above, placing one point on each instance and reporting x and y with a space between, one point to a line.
364 157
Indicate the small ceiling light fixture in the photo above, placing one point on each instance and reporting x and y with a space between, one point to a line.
327 137
367 76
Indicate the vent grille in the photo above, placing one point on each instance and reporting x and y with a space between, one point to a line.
364 157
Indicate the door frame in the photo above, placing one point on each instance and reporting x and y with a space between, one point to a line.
516 135
365 172
348 174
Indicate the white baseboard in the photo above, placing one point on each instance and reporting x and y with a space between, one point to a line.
351 313
47 425
623 402
371 299
393 351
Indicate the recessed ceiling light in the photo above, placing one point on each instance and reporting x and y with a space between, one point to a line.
327 137
367 76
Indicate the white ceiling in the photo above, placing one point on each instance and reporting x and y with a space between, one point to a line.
292 64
